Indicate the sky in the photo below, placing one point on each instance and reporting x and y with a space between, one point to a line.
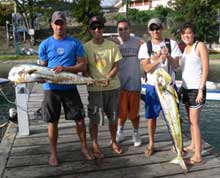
107 2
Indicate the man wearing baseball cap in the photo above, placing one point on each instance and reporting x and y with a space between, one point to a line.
155 54
97 20
154 21
102 58
62 53
58 15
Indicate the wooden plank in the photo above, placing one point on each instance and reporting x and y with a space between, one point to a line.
28 155
156 166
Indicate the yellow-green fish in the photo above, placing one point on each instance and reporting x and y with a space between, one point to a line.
169 103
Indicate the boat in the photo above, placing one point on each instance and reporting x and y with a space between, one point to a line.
212 93
3 81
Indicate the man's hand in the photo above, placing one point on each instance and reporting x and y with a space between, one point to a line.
58 69
164 51
106 83
103 83
41 81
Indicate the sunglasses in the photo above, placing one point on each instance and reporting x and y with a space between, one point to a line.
123 29
154 28
99 27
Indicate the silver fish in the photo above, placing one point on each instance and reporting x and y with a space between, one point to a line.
169 99
25 73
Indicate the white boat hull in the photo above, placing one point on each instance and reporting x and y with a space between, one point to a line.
3 81
213 90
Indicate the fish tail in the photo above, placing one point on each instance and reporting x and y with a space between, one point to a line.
179 160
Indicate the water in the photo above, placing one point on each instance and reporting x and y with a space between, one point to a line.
9 91
209 123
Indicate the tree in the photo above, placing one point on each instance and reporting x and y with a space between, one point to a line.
83 10
141 17
30 9
202 13
5 13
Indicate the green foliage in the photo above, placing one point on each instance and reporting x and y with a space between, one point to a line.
5 13
83 10
119 17
142 17
202 13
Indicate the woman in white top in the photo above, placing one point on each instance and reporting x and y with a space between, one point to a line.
195 66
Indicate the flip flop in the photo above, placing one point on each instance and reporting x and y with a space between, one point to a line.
194 162
148 151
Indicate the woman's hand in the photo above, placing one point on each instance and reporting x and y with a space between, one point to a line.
199 98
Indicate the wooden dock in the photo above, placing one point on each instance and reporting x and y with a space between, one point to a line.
27 156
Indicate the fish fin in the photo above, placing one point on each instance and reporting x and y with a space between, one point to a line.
32 71
179 160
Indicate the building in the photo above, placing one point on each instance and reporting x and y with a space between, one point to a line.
140 4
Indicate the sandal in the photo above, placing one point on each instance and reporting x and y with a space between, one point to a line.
148 151
194 162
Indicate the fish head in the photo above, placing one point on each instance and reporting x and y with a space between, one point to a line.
21 74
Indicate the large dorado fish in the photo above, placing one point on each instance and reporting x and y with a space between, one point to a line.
25 73
169 103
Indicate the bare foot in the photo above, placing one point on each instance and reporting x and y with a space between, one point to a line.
117 149
97 152
87 154
53 161
189 149
149 150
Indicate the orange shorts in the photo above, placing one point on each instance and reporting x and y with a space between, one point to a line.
129 104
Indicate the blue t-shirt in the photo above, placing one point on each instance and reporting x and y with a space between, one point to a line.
60 53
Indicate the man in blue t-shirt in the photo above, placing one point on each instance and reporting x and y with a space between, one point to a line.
62 53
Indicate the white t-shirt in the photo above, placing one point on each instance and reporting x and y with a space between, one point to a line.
143 54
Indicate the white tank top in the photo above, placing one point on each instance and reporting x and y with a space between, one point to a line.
191 69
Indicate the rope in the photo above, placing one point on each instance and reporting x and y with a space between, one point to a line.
3 94
14 103
4 124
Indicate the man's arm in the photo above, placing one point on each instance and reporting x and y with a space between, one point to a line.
149 66
43 63
79 67
174 61
113 71
111 74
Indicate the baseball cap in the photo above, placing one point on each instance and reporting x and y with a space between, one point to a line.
58 15
155 21
97 19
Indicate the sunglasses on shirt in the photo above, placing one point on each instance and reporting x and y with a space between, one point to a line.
99 27
123 29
